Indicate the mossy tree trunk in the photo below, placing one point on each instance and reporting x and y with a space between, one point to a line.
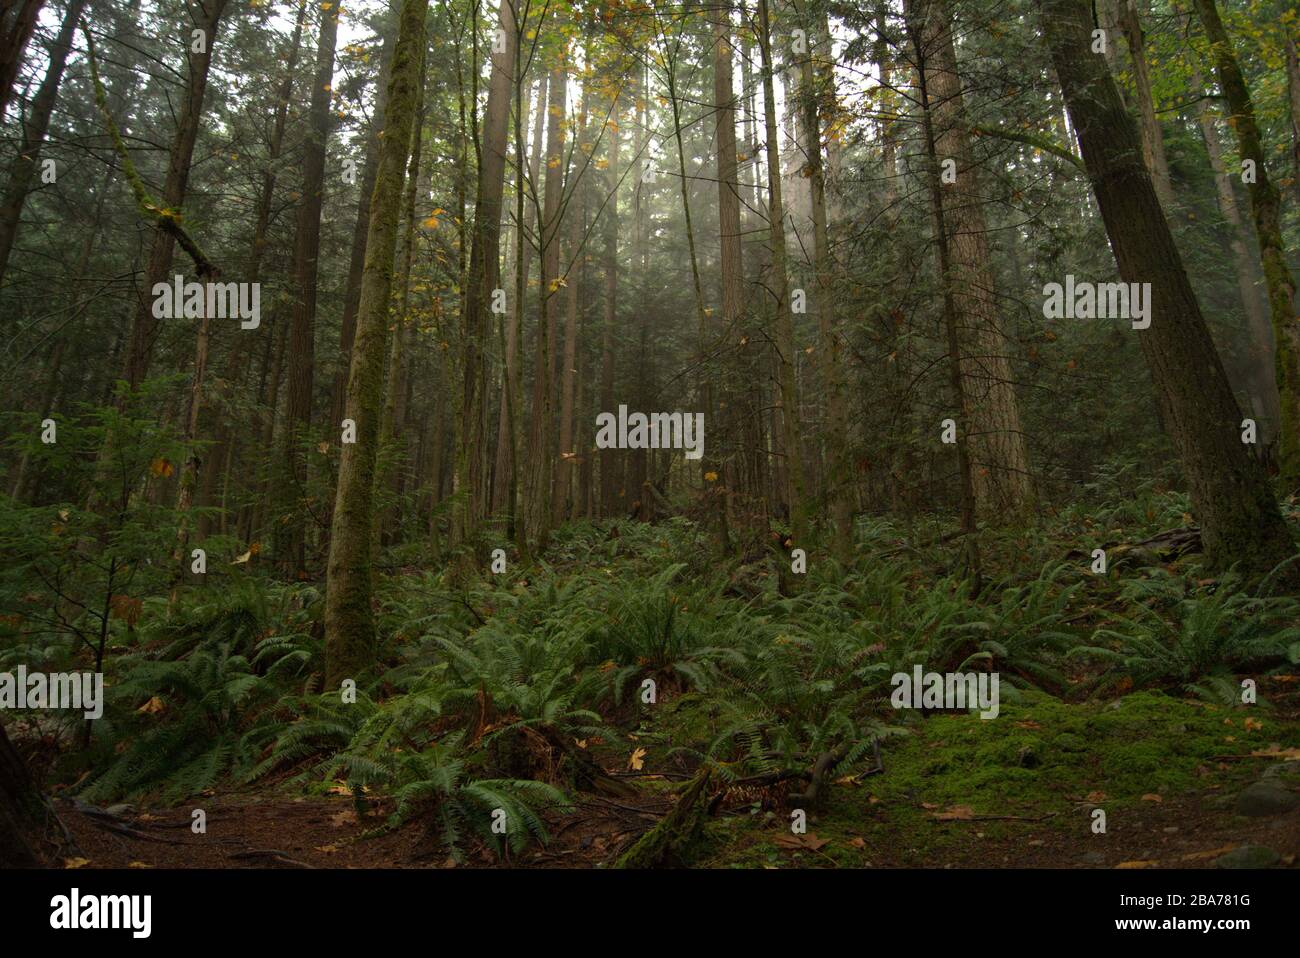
349 620
1265 208
1239 516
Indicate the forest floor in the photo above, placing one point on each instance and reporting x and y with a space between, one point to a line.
956 794
1124 736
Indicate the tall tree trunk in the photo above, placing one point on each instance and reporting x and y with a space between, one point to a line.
484 277
537 488
835 435
920 26
357 257
736 423
391 427
1003 490
1240 520
144 327
17 23
503 488
791 430
349 619
22 169
564 472
1293 102
302 335
1259 330
1153 140
608 458
1265 207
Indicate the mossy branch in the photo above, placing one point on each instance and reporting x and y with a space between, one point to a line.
1040 143
163 218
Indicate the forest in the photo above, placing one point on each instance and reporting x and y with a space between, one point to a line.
629 434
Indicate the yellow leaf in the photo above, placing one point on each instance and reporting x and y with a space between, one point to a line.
75 862
1138 864
710 477
637 760
152 707
161 467
139 865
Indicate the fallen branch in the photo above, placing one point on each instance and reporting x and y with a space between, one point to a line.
167 220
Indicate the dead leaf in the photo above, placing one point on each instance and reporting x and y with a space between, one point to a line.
1152 797
858 842
1138 864
344 818
1276 751
139 865
152 707
809 841
637 760
957 813
75 862
328 849
161 467
1096 796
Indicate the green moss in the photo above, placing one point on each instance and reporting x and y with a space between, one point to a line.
1040 756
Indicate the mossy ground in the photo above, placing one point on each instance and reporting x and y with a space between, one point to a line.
1042 765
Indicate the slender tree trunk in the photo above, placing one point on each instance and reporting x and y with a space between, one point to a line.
357 257
608 458
17 23
792 431
302 335
1259 330
484 277
1265 207
1240 520
537 488
349 619
1003 491
564 474
1293 101
835 435
144 327
22 169
920 24
390 441
1153 140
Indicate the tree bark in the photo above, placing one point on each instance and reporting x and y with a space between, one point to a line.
17 23
349 619
302 334
22 168
1239 516
1259 330
1000 468
24 816
1265 207
484 277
